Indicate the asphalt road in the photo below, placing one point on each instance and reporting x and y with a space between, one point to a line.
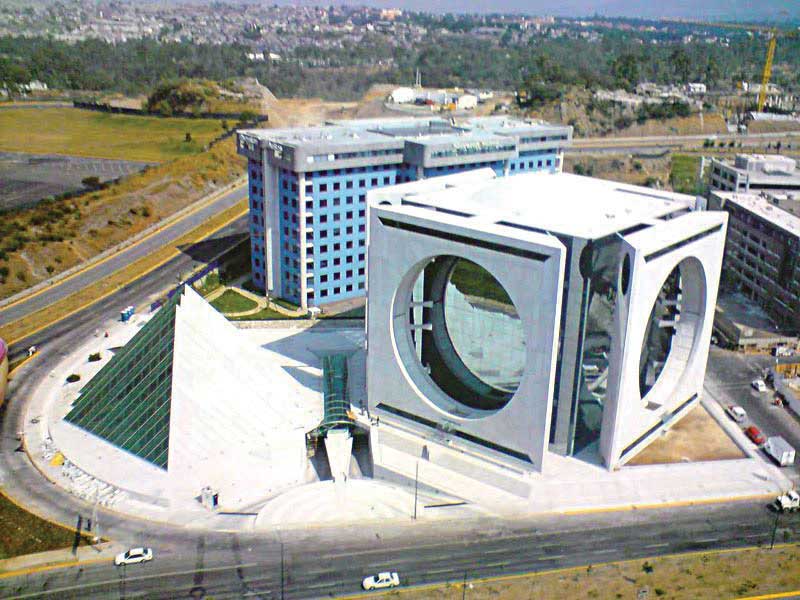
322 564
123 258
728 380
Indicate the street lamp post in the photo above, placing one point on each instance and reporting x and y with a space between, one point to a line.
774 529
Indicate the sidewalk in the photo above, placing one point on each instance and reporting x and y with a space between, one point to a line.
18 565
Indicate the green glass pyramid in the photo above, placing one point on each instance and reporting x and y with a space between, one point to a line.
128 402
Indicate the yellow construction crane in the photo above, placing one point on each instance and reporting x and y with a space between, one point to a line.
765 76
774 33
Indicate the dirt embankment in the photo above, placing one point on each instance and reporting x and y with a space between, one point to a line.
56 235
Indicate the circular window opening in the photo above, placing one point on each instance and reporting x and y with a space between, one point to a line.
673 326
467 335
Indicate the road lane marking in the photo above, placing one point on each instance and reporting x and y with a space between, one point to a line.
707 541
657 545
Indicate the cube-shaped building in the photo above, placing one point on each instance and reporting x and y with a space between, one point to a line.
544 313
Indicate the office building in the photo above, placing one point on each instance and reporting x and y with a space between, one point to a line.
308 188
539 314
755 173
762 254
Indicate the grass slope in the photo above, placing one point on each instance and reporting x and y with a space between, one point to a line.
683 173
24 533
87 133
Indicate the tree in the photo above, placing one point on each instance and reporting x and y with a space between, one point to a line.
626 71
712 71
681 65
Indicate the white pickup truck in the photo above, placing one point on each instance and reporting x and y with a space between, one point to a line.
789 502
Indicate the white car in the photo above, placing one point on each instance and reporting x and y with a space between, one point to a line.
381 581
133 556
737 413
759 385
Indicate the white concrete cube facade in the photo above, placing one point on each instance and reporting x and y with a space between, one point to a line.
548 313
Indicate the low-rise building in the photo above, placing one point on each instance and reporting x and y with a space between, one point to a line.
755 173
762 254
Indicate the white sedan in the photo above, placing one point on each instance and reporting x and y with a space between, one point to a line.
381 581
133 556
737 413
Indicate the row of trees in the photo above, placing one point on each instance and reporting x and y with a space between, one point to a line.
457 60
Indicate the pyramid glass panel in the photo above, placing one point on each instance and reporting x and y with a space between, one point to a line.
128 402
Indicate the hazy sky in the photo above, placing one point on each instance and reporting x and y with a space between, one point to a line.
723 9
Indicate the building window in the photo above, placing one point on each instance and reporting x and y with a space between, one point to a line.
348 259
323 203
337 261
348 244
323 293
323 248
337 290
349 185
336 185
323 187
323 278
362 198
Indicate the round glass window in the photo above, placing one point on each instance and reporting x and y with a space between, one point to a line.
661 328
468 334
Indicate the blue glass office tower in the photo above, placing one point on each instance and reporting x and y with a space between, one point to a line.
308 187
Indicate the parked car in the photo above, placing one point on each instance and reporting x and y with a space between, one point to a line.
737 413
755 435
779 450
759 385
134 556
381 581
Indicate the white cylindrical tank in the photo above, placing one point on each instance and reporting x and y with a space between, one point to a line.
466 102
402 95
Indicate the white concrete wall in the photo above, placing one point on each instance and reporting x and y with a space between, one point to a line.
231 427
627 416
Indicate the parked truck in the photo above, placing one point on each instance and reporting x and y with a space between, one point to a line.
789 502
779 450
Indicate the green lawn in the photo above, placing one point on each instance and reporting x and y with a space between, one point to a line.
24 533
683 173
88 133
233 302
